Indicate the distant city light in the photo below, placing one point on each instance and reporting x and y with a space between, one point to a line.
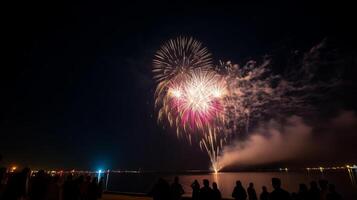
13 168
283 169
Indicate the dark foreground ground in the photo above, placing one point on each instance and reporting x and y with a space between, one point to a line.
130 197
123 197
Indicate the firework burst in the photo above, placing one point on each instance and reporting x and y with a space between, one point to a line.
196 99
194 104
180 55
208 105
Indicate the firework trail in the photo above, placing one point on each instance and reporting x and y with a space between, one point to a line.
253 92
189 93
209 104
196 103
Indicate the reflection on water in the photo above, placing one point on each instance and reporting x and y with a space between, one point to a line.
142 183
290 180
352 174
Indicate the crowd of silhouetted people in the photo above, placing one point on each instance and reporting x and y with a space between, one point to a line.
25 185
317 191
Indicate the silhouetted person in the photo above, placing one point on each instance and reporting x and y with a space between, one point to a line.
17 185
206 192
176 189
24 182
314 191
252 195
39 186
53 189
333 195
278 193
100 187
2 181
195 190
294 196
265 194
239 192
302 193
216 193
70 189
2 175
161 190
84 188
93 189
324 189
12 188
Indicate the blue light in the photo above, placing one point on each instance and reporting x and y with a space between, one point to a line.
99 172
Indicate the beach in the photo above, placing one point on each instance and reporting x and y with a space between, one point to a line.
123 197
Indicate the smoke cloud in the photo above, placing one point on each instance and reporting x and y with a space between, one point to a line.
293 140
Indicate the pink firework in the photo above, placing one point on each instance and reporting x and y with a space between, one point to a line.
196 98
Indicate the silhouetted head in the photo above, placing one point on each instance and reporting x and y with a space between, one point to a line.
176 180
95 180
55 179
294 195
214 185
2 172
302 188
264 189
40 173
313 185
205 183
80 179
323 184
332 188
251 185
276 183
238 183
160 181
26 171
69 177
164 182
88 179
196 182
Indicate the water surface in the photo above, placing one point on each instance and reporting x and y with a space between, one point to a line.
143 182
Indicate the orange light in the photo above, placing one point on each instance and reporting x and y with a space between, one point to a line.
13 168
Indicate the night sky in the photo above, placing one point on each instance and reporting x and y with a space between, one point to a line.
76 81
